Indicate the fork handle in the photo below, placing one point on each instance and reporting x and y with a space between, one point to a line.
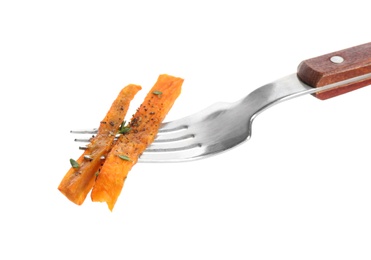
336 67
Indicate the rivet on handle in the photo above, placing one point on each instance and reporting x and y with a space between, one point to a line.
336 59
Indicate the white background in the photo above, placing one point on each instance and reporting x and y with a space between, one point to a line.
299 189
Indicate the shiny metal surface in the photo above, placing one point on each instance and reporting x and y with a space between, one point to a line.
337 59
223 126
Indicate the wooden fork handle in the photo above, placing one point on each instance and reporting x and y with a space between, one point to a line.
336 67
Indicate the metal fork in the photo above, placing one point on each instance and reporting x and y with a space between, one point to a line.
201 135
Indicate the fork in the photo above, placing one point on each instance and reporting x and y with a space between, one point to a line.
200 135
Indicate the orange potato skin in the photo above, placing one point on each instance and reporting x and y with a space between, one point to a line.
78 182
144 125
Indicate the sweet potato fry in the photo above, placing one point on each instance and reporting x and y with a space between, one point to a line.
144 126
79 180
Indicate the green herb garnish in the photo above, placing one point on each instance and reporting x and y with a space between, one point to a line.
157 92
74 164
124 128
124 157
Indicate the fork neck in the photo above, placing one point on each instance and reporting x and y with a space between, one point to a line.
273 93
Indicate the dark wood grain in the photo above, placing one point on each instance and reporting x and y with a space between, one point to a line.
321 71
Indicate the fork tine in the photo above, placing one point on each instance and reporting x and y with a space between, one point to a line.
173 145
174 126
82 140
172 155
175 135
164 135
85 131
